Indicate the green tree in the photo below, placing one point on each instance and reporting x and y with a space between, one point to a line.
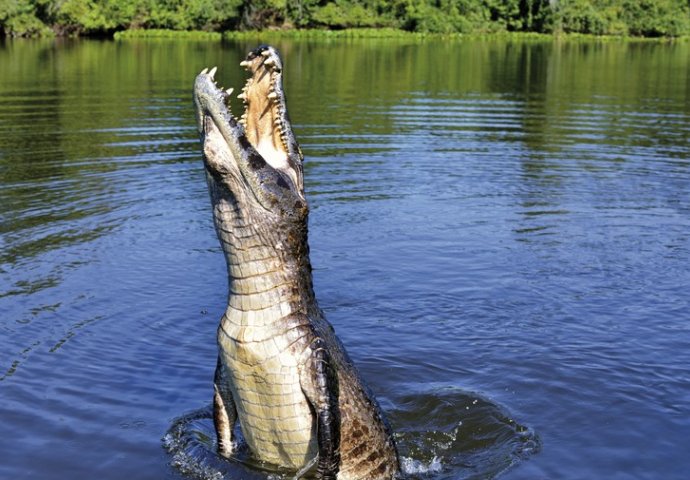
345 14
655 18
99 17
18 19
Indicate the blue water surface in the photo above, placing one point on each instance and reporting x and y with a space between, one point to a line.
500 234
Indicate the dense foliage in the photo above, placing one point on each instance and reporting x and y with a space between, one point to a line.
103 17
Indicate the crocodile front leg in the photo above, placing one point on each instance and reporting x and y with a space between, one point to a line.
224 411
319 382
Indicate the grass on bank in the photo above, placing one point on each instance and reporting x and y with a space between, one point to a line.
163 33
374 33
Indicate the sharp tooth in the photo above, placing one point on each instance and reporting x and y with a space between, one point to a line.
213 71
272 95
245 63
204 71
242 95
230 90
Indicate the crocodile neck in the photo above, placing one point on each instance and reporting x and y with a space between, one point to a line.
269 271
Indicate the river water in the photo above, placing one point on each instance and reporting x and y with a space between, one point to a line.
500 234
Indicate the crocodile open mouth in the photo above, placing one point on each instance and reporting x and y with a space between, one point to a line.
264 125
265 118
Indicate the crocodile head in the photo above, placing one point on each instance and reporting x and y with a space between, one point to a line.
254 173
254 161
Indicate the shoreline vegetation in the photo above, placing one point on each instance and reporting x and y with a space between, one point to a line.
242 19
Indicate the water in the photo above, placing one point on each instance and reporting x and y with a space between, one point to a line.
500 234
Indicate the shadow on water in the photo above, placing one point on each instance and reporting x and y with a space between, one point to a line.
442 434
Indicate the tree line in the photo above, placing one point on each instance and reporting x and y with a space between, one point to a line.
651 18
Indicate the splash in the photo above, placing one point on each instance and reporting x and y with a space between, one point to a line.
191 443
186 443
451 433
443 434
410 466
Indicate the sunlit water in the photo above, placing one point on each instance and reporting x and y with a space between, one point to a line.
500 234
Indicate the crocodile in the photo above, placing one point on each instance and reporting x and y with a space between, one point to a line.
282 373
